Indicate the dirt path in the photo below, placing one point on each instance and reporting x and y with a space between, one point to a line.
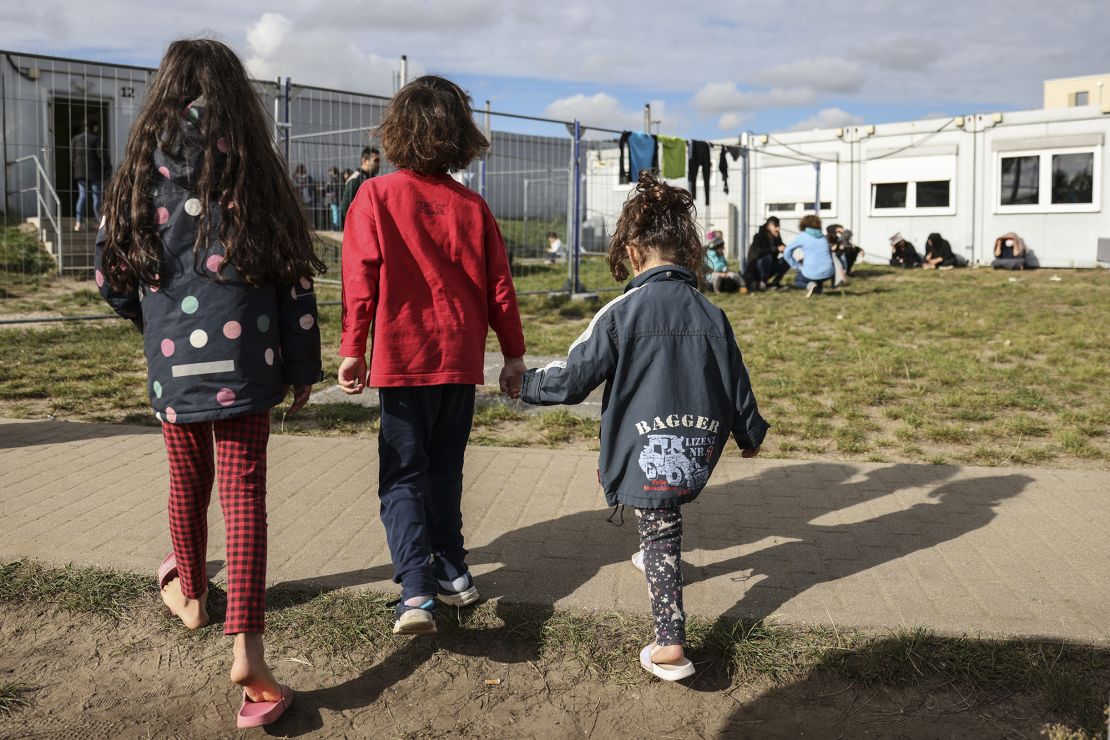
140 678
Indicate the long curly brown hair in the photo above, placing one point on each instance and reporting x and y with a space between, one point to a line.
658 221
429 128
261 225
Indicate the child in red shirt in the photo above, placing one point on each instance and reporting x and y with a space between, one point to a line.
424 262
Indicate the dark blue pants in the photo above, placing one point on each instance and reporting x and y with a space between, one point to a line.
801 281
769 269
420 449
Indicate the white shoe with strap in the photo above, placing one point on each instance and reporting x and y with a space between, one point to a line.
665 671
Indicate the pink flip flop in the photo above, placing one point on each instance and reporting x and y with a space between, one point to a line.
259 713
167 571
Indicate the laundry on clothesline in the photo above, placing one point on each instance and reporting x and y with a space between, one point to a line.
674 156
643 154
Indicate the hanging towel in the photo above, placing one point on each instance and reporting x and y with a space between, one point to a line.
674 156
722 165
643 151
699 158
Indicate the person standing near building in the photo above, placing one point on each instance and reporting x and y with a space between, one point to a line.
370 163
89 164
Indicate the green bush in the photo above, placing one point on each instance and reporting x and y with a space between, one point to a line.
21 252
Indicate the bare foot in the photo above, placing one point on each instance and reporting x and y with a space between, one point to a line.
667 654
249 669
193 613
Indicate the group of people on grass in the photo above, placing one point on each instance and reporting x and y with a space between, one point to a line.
819 258
205 246
816 257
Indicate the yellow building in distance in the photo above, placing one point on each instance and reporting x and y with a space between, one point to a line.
1072 92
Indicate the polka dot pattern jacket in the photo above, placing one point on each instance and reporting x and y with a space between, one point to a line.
215 348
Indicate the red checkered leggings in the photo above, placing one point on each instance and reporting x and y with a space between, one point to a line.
240 466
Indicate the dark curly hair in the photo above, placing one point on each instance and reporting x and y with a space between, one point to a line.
429 128
658 221
261 223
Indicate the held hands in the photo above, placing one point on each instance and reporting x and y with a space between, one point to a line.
512 376
749 453
300 397
352 375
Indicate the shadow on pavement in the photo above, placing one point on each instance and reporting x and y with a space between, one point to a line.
14 434
545 562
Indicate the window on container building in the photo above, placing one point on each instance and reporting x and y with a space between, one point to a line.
933 194
890 194
1073 178
1047 181
1020 181
1081 98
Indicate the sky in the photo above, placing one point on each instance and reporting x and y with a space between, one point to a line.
709 68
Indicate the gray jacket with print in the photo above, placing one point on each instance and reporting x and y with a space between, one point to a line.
216 347
675 389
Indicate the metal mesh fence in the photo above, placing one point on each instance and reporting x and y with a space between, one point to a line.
540 177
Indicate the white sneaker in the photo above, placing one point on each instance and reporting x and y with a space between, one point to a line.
810 288
665 671
638 560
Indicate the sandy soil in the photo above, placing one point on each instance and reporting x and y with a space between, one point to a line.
137 679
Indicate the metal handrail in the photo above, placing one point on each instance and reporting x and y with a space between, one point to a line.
41 204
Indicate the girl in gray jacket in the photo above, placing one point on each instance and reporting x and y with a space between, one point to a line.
675 389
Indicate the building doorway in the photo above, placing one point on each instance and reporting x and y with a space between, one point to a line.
68 117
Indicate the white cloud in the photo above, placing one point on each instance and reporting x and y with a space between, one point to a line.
726 97
828 118
823 74
277 46
604 110
733 121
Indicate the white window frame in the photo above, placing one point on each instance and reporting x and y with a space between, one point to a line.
911 208
799 210
1044 191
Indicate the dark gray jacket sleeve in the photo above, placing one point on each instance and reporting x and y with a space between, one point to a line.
748 427
300 333
591 360
125 303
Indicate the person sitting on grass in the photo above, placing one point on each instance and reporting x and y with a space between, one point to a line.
809 254
766 266
676 390
840 242
902 252
938 254
721 279
205 247
1009 252
424 263
554 248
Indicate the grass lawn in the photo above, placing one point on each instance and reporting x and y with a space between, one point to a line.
963 366
499 663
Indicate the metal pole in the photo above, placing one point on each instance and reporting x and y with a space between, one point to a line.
482 162
647 118
742 247
288 123
577 174
524 227
404 69
817 200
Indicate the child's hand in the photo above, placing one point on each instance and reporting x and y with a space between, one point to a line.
512 376
749 453
300 397
352 375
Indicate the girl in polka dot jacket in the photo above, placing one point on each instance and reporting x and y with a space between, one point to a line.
205 248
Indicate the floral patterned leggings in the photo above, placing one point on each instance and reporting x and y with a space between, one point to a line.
661 543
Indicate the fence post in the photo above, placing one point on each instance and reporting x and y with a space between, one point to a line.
285 116
482 162
576 206
817 199
742 247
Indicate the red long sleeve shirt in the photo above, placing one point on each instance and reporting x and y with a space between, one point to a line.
424 262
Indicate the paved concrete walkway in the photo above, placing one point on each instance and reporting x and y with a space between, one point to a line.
1015 551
